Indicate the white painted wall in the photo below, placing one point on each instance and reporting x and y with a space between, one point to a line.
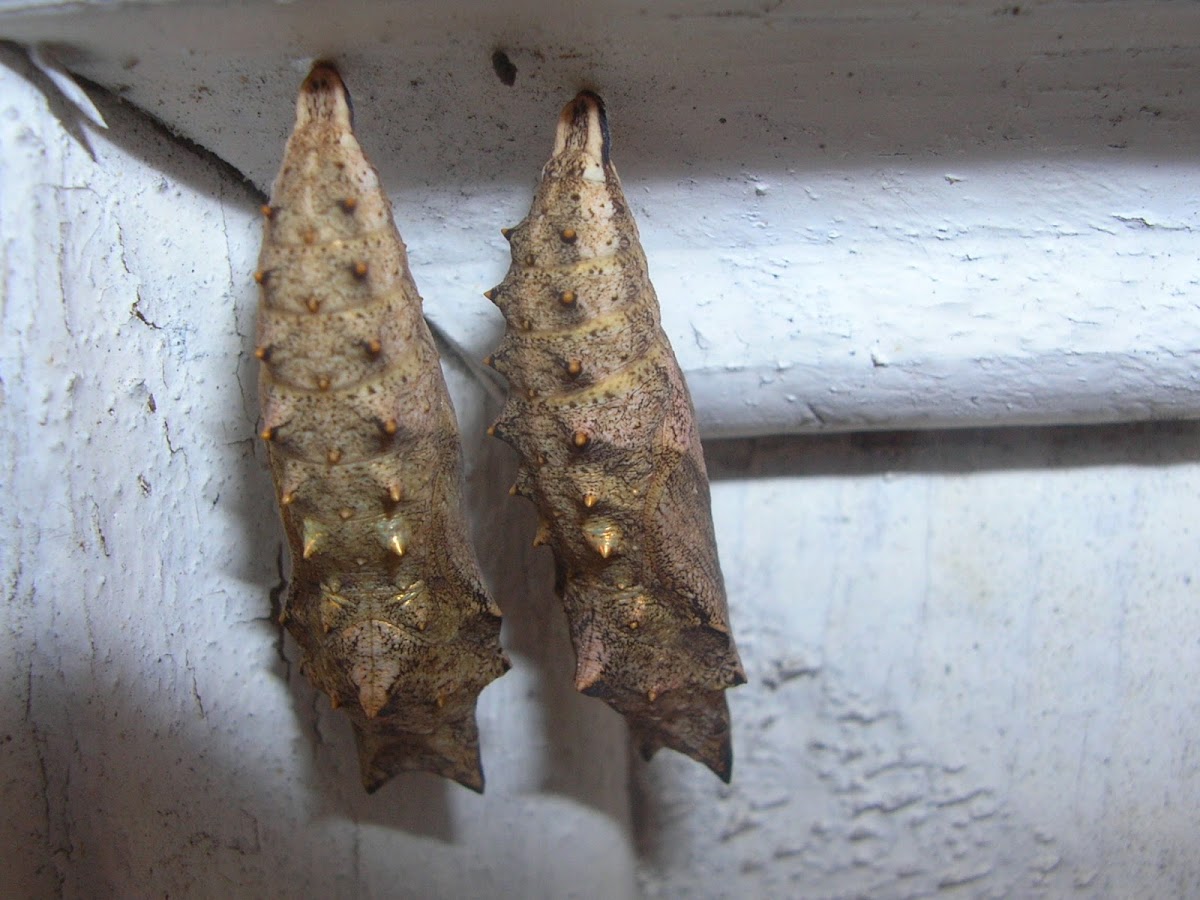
973 658
973 654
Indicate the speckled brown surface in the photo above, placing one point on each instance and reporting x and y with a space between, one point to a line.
600 414
385 596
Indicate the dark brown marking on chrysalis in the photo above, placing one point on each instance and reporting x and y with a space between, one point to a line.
385 597
612 458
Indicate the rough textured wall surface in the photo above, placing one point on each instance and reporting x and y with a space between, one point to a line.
972 660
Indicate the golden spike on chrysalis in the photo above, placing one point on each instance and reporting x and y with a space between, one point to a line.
513 491
331 607
543 534
507 232
491 430
490 294
309 236
488 361
348 204
267 210
374 347
390 427
283 616
313 305
260 277
574 367
314 535
604 536
394 535
360 269
395 493
590 499
652 695
287 498
568 235
530 260
334 456
566 298
581 439
323 382
335 702
345 513
262 354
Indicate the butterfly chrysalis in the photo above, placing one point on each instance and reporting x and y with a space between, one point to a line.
610 454
385 596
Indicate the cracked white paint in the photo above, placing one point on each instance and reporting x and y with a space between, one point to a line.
973 655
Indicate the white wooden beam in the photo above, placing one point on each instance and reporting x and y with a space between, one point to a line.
858 215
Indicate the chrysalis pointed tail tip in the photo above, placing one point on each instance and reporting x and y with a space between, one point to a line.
717 757
382 757
373 781
323 96
583 126
696 724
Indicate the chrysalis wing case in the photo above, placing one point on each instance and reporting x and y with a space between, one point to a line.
385 596
610 454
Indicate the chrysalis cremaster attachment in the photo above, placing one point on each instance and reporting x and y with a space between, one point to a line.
385 596
610 454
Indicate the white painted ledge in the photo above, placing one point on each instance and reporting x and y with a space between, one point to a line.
858 215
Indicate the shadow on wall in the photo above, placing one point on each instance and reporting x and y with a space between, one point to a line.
692 87
955 451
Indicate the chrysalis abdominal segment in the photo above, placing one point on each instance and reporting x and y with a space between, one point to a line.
599 412
385 597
